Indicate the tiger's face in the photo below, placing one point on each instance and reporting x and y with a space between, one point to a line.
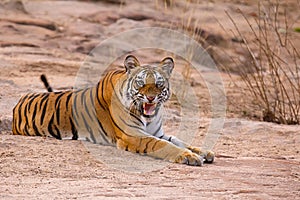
148 85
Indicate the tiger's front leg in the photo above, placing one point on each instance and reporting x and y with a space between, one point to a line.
161 149
207 155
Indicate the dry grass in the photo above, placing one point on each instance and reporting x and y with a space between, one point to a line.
271 71
187 25
275 78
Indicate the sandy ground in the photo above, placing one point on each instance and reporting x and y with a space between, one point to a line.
254 160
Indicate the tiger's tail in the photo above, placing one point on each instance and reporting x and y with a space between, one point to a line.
46 83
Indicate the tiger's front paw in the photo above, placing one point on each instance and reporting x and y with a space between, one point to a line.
208 156
189 158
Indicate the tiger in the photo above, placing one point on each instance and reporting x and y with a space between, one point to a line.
123 110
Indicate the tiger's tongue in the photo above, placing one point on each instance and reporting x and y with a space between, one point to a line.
149 108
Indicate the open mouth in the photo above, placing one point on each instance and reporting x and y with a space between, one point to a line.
149 109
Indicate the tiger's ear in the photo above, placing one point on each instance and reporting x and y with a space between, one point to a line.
167 65
131 62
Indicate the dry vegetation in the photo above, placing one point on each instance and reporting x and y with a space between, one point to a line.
269 66
266 58
272 77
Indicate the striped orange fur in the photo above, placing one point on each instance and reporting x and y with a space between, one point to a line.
122 109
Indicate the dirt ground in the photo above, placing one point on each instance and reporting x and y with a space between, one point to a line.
254 160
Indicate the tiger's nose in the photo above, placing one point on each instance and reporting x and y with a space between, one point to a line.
150 98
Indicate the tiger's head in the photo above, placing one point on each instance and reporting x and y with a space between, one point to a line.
147 86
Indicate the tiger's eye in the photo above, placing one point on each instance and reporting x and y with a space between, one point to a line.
160 83
140 83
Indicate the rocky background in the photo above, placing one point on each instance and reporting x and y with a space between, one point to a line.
255 160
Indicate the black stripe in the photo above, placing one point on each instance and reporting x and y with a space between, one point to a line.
20 111
92 119
22 99
113 140
88 128
110 80
50 130
101 126
159 121
116 138
137 118
146 148
103 137
83 96
49 127
119 72
102 89
105 80
14 123
120 128
86 109
75 120
154 145
103 131
44 111
122 85
97 96
132 126
26 113
57 108
75 137
93 111
44 97
57 132
74 130
75 104
111 83
20 116
25 96
92 97
36 131
93 104
159 128
57 112
31 100
128 82
84 102
113 73
68 99
58 98
30 95
26 130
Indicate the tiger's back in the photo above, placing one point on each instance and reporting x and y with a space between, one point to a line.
45 114
66 114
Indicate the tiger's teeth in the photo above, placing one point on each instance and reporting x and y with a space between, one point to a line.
149 108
